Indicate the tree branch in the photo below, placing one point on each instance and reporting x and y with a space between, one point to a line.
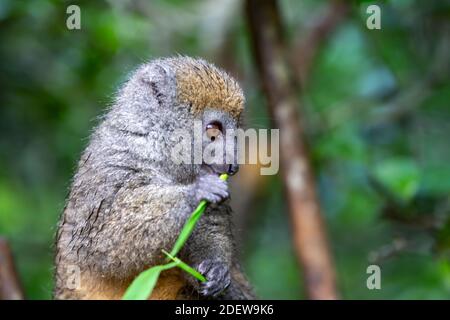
308 230
306 48
10 288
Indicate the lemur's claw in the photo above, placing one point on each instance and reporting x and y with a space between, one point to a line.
218 277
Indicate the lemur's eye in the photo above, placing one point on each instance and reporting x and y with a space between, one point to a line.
213 130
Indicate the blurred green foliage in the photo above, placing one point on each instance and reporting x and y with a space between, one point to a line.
376 109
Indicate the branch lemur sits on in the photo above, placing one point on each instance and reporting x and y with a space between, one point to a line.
129 199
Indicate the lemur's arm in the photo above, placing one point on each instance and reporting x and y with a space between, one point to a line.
144 220
210 249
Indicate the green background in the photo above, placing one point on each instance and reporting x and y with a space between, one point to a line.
376 111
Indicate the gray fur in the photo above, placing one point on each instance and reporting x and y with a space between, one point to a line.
129 200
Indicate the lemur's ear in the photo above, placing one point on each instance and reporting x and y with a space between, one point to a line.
161 82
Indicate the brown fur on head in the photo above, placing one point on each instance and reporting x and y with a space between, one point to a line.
202 85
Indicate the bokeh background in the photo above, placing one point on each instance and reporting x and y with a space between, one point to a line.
375 107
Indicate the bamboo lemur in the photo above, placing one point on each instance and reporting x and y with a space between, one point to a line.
129 199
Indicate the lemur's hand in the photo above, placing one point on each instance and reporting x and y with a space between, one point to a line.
218 277
210 187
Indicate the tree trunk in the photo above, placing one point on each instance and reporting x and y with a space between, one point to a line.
10 288
309 234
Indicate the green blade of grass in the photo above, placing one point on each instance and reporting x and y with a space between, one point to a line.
186 267
141 287
190 224
188 228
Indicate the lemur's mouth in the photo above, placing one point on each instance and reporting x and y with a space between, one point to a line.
232 169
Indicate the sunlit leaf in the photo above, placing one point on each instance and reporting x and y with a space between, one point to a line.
400 175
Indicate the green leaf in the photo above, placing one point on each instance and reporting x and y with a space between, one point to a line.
400 176
142 287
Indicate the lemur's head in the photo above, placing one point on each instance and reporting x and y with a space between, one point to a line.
167 96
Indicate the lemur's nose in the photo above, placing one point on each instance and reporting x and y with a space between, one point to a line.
232 169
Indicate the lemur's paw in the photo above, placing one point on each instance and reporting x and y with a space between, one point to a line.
217 276
211 188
